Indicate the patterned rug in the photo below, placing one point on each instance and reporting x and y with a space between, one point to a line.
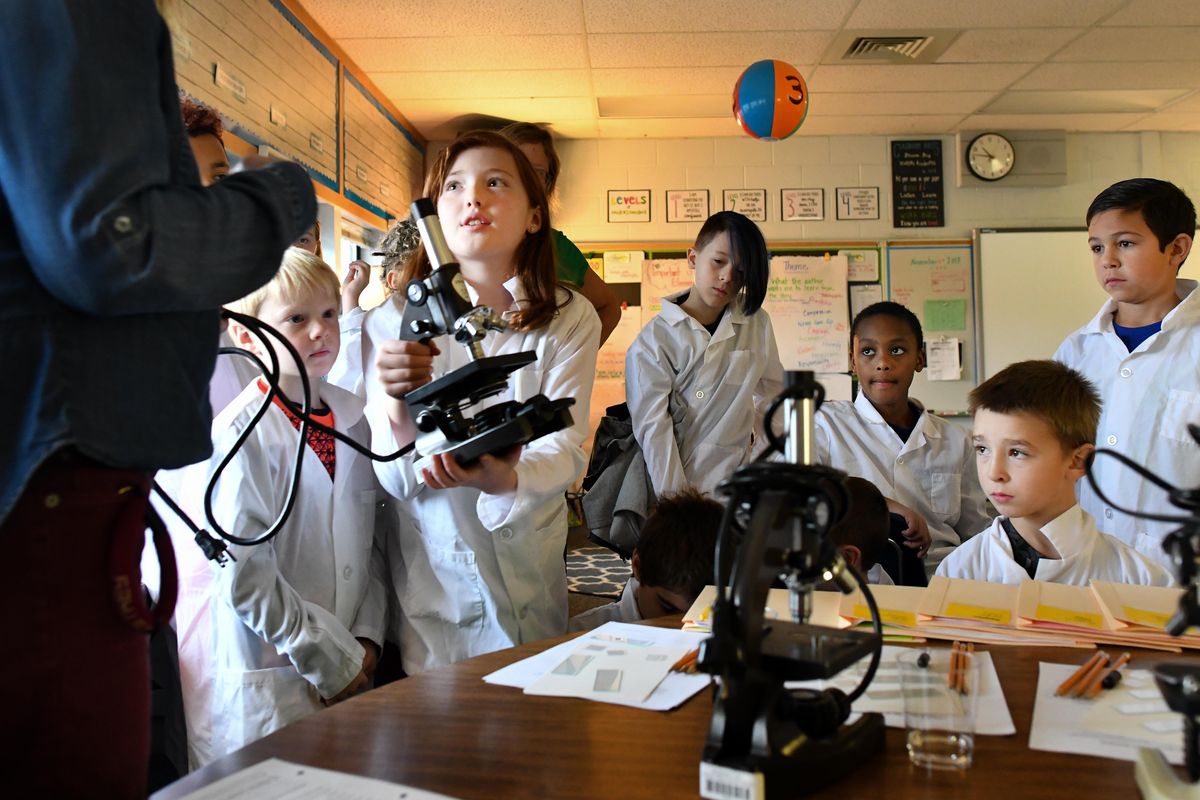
597 571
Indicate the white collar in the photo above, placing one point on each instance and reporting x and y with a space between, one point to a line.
673 313
512 285
1188 309
1071 532
871 414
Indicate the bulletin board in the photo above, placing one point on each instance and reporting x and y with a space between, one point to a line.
937 281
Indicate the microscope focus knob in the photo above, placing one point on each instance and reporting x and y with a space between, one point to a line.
425 422
417 292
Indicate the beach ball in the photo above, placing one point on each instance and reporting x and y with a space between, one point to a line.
770 100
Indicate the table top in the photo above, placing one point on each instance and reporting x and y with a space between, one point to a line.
448 731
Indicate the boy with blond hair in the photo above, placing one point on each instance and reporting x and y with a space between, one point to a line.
1141 351
297 620
1034 426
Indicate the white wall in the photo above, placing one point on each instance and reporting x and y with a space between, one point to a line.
1094 160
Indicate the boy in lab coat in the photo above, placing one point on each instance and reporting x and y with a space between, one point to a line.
297 620
1034 426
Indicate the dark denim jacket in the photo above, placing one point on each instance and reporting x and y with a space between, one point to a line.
113 258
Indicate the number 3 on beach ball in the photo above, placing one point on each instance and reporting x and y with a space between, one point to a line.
770 100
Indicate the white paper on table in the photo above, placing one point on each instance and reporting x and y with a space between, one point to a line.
1059 724
884 695
274 778
676 688
624 673
944 362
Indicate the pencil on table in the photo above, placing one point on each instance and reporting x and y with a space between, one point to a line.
687 663
1098 681
1077 676
963 664
952 674
1093 674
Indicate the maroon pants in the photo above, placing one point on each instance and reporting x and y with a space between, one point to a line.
74 719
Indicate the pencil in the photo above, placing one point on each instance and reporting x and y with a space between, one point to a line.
1098 682
952 674
1092 674
1076 676
687 661
963 666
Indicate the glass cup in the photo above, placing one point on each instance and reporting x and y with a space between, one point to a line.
939 708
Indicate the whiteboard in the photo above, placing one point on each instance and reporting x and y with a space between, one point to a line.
1036 287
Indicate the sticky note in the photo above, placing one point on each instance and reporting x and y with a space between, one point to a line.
999 616
1067 617
945 315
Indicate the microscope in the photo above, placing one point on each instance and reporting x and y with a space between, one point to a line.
1179 683
767 741
438 305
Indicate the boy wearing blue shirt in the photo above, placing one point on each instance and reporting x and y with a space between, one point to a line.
1141 351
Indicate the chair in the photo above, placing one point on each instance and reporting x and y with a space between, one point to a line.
902 563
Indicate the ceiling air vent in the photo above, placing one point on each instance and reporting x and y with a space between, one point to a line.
887 48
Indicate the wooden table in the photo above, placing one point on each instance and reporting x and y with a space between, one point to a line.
448 731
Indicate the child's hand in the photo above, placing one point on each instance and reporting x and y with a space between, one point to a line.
490 474
917 534
358 275
355 686
404 366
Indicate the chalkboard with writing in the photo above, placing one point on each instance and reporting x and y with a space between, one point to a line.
918 199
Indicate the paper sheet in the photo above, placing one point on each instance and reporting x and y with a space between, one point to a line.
622 670
676 688
623 266
883 695
1075 725
274 779
864 295
945 363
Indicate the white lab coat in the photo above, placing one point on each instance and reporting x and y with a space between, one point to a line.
346 371
1087 555
286 615
696 401
1149 396
933 473
623 610
472 572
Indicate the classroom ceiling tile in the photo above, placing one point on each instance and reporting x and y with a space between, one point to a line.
915 78
668 128
428 54
1131 75
1189 104
516 108
1133 44
679 16
941 14
1007 45
672 105
402 86
668 80
858 125
897 103
348 19
1073 102
1167 121
1076 64
1064 122
704 49
1137 13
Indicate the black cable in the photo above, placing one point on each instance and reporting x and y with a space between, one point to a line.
876 623
1140 470
304 412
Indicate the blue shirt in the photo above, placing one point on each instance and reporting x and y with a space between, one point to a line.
1133 337
113 258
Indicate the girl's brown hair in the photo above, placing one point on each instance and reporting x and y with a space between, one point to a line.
534 256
